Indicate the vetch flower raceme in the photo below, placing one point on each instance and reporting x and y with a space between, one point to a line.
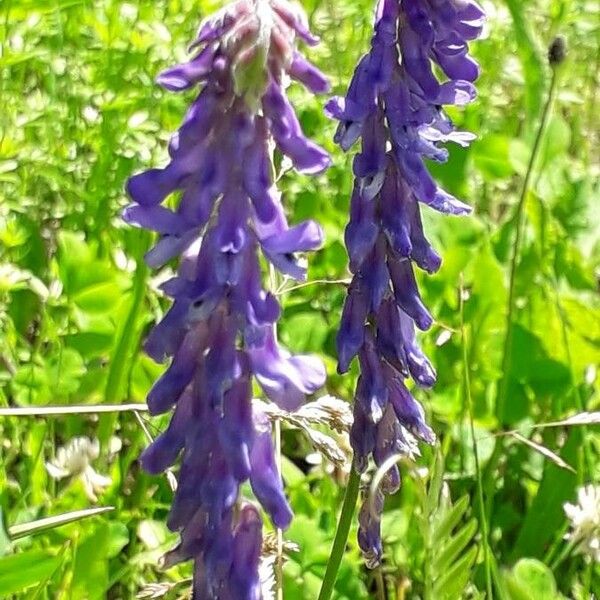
220 329
394 106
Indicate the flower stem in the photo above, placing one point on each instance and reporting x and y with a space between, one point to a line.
279 559
566 551
341 534
511 308
516 252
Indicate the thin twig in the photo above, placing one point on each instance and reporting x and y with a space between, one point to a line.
579 420
546 452
57 411
280 291
143 426
279 558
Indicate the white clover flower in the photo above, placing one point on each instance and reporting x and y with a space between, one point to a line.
74 460
585 521
266 574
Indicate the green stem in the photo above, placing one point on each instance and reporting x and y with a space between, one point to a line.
516 251
559 542
480 501
566 551
341 535
126 341
380 584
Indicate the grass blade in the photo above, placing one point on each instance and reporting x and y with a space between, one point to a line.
73 409
546 452
34 527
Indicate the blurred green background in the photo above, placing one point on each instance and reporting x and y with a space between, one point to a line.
80 113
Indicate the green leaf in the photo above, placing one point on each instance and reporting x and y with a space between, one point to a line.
65 372
4 538
98 298
556 488
19 572
118 538
491 157
452 583
305 332
90 568
531 579
290 472
435 483
445 523
451 548
153 534
555 143
519 155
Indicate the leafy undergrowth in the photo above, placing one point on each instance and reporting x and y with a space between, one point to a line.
80 113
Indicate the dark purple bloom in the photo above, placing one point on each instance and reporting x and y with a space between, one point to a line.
394 106
220 329
244 582
369 536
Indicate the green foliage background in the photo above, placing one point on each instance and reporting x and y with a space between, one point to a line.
80 112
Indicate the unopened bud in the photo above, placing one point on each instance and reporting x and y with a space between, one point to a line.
557 52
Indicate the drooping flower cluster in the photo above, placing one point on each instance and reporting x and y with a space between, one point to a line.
394 105
220 329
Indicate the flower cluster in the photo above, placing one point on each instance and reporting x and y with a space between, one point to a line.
75 460
584 519
220 329
394 105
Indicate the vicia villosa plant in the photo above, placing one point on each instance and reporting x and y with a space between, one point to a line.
220 329
394 106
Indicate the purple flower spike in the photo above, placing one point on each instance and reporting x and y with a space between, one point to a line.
394 107
219 332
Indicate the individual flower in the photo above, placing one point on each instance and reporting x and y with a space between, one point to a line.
75 460
220 329
584 518
418 62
